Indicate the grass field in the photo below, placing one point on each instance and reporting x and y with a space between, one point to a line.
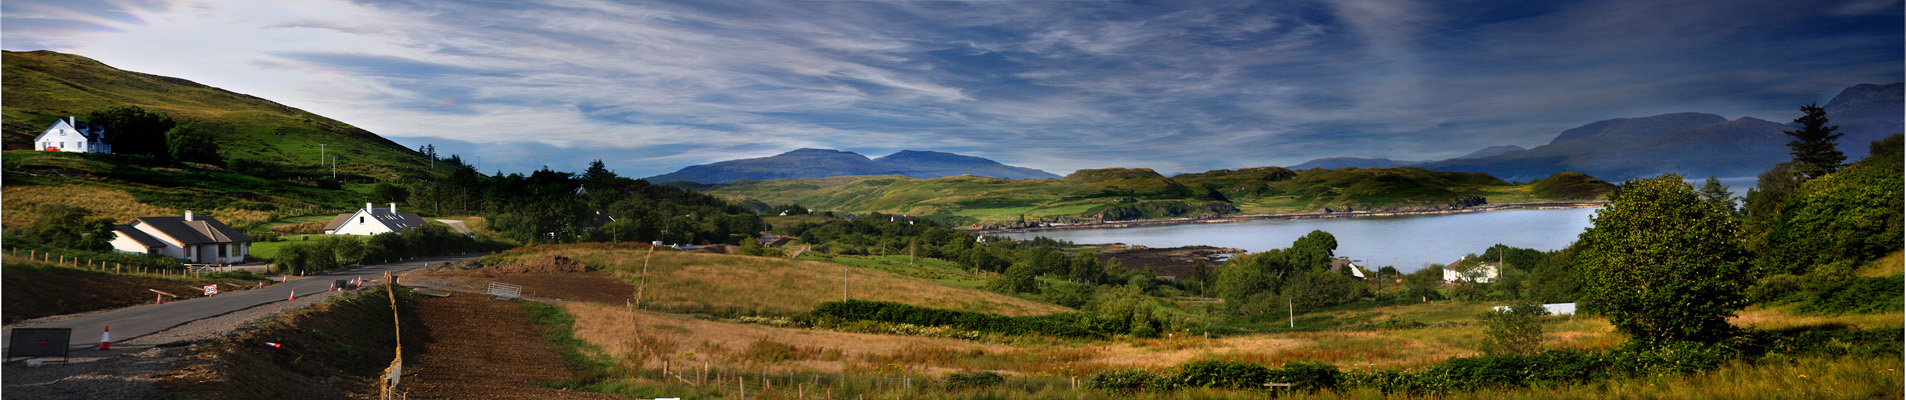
744 285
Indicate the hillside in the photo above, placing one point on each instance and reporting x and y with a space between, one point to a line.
1128 194
42 86
823 163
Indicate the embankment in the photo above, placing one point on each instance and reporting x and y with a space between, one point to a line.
329 351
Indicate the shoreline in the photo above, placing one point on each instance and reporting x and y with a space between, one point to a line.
1255 217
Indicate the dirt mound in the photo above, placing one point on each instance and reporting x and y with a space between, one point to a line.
333 350
475 268
484 349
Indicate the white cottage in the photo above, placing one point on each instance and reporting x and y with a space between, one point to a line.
72 135
1479 273
372 221
197 240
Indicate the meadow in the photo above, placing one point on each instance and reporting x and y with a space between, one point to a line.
767 349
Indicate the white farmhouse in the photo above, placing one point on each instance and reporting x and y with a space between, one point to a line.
197 240
71 135
372 221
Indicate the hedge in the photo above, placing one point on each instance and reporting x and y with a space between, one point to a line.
1064 325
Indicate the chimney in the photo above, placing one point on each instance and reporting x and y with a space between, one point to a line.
188 215
393 208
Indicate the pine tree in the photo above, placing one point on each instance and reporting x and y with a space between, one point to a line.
1814 149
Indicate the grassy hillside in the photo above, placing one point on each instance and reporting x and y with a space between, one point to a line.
703 282
42 86
1122 194
122 187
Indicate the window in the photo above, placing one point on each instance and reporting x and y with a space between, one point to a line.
360 220
222 250
62 145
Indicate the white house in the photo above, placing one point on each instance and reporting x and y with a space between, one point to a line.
372 221
1479 273
197 240
71 135
1347 267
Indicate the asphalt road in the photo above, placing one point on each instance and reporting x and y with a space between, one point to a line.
133 322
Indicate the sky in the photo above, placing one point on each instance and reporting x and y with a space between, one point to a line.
1176 86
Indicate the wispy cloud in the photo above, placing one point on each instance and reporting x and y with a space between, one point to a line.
1180 86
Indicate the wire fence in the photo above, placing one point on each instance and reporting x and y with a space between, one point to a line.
82 263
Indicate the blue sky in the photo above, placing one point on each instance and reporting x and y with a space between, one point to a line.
1177 86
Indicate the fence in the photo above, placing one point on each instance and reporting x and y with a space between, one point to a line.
393 374
76 262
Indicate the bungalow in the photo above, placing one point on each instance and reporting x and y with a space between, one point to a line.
196 240
372 221
71 135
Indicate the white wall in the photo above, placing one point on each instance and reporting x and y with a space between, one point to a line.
361 223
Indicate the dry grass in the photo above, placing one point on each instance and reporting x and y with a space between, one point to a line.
22 202
1892 264
1778 317
702 282
691 341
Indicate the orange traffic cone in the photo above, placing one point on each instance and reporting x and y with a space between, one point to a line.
161 299
294 295
106 338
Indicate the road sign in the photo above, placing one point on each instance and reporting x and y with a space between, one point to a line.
38 342
211 290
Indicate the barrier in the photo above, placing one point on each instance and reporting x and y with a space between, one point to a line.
39 342
505 291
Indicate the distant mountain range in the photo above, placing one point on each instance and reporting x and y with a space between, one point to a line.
1696 144
823 163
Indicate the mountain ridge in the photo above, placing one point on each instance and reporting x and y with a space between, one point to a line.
823 163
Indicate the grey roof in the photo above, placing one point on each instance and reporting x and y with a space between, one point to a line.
398 222
138 236
201 230
92 132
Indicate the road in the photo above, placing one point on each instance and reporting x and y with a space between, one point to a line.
132 322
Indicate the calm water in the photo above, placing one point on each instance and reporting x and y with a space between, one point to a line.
1376 241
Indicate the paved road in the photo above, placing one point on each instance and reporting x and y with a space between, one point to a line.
133 322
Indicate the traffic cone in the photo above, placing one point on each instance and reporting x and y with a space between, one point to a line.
274 345
294 295
161 299
106 338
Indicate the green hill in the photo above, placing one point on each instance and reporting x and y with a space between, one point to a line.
1125 194
276 147
42 86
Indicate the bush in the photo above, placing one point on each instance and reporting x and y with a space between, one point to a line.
1308 376
1222 374
1064 325
1129 381
1857 295
1513 331
973 380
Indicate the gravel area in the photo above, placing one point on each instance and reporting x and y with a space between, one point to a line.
129 370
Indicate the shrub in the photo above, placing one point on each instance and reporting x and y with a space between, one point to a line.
973 380
1064 325
1222 374
1857 295
1309 376
1129 380
1513 331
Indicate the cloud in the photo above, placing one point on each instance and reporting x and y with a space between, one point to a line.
1178 86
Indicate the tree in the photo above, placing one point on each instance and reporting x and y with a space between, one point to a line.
1814 151
71 227
1663 264
193 144
1514 331
390 192
1718 195
134 130
1022 277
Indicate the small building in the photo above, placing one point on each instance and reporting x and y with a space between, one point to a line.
1476 272
1551 308
372 221
72 135
193 239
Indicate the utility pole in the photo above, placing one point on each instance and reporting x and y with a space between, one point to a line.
334 167
320 153
1292 310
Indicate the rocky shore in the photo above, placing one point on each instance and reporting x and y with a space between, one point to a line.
1325 213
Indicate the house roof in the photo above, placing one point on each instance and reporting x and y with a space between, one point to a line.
201 230
338 222
139 236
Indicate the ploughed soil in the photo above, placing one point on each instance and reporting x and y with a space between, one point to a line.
483 348
38 290
1175 262
329 351
552 277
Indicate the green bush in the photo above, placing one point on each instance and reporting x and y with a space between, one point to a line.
1128 381
973 380
1222 374
1064 325
1857 295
